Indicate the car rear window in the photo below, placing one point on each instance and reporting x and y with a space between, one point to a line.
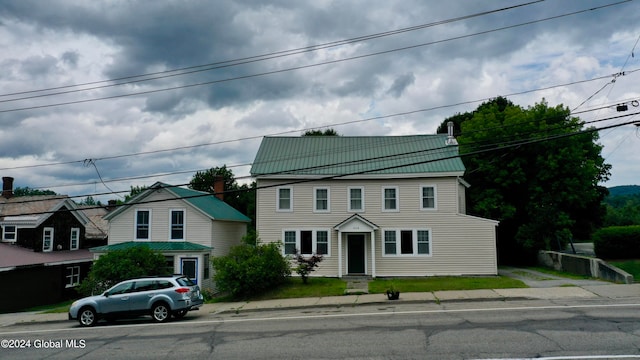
185 281
164 284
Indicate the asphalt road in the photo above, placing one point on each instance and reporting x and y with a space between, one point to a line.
576 329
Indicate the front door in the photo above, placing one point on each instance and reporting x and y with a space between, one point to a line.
190 268
355 254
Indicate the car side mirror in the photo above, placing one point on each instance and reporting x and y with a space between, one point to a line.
105 294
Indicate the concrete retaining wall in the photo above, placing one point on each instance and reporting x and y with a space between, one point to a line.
583 265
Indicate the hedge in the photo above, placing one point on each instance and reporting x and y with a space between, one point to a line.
617 242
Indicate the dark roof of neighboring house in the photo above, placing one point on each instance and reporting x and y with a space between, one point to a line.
161 246
12 256
97 227
33 210
343 155
207 203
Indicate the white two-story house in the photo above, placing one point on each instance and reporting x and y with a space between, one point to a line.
377 205
185 225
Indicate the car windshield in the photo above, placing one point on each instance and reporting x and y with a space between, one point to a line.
185 281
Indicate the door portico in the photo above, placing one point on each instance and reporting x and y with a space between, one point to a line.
357 232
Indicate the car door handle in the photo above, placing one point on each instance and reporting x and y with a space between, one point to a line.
124 298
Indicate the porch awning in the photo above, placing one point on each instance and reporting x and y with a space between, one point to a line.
160 246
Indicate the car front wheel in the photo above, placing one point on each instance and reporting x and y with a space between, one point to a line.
87 317
160 312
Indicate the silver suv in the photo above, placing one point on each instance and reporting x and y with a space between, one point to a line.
159 296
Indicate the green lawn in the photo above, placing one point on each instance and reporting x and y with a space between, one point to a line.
630 266
440 283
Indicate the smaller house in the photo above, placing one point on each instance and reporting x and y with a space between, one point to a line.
185 225
44 241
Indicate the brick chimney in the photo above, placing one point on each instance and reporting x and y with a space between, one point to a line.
218 187
111 205
7 187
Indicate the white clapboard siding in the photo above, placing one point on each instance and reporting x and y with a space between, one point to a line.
460 244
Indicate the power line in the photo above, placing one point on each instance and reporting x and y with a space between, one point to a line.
330 177
250 59
480 147
250 76
405 113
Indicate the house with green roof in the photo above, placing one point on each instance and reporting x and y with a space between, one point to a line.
185 225
377 206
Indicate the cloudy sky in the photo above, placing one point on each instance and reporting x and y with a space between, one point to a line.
133 92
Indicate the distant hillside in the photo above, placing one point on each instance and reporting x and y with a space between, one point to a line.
624 190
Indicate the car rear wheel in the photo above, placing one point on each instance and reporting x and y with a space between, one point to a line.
87 317
160 312
180 314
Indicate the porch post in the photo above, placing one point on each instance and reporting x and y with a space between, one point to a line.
373 253
339 254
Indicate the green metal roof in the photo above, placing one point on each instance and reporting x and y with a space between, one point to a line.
160 246
340 155
209 204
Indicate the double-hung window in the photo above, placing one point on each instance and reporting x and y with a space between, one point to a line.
390 199
427 197
74 241
177 224
284 199
47 239
306 242
321 199
9 233
409 242
143 224
356 199
72 276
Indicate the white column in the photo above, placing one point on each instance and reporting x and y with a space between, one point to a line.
373 254
339 254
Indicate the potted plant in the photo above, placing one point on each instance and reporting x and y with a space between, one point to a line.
393 293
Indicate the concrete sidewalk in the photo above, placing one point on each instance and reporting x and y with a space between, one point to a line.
590 290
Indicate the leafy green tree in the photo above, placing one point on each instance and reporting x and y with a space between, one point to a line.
119 265
90 201
240 197
327 132
135 190
543 193
622 210
27 191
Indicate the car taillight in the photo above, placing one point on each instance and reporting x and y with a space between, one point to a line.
182 290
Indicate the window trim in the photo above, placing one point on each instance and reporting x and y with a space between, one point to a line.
184 224
349 208
135 225
414 235
290 208
5 232
397 199
74 231
314 240
72 277
315 199
435 197
44 236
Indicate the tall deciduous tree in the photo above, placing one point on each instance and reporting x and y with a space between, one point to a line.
240 197
543 193
327 132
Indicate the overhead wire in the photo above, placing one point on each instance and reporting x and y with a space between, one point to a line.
254 75
255 58
499 144
337 176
